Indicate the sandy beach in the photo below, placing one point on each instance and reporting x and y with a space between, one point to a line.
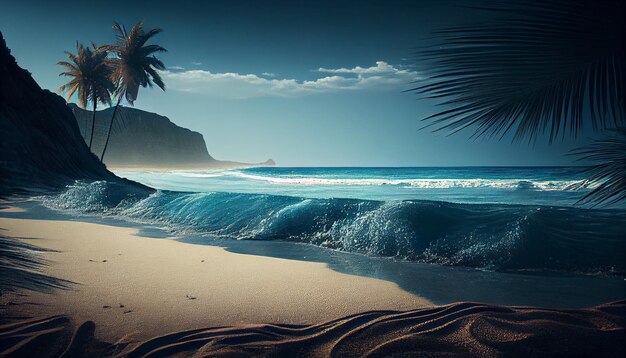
142 286
127 295
448 180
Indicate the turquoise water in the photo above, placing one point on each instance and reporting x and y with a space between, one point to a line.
516 185
502 219
499 235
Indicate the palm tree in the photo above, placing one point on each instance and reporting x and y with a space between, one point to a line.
548 67
90 78
133 65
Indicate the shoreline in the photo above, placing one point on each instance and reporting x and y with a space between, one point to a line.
222 165
121 294
130 284
439 284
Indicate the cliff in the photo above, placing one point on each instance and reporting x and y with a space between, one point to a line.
144 139
141 138
41 147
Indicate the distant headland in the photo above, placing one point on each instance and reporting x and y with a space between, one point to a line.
145 140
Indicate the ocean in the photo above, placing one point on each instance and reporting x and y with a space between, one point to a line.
500 235
472 185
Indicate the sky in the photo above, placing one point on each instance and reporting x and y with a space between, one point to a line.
304 83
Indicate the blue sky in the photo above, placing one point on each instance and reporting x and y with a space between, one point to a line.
304 83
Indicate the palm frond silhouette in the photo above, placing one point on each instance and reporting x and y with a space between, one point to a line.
607 175
545 67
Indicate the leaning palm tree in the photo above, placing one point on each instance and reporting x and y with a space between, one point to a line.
134 65
547 67
90 78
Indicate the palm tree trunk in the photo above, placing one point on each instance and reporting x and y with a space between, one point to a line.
93 119
83 130
110 126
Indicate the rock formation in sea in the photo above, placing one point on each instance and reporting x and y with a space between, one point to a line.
144 139
41 147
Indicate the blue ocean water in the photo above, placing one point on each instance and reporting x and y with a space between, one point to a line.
512 185
503 219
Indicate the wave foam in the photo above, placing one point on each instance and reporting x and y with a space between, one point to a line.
417 183
501 237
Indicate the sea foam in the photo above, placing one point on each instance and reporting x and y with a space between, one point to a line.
490 236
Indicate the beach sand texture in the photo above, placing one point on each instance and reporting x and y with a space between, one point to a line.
124 295
131 284
457 330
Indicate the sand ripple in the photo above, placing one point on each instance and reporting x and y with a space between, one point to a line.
455 330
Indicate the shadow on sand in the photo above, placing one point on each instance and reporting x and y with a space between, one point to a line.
20 265
437 283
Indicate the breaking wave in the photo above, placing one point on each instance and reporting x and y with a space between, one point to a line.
416 183
491 236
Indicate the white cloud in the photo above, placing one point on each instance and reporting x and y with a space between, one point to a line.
234 85
196 63
268 74
380 68
176 68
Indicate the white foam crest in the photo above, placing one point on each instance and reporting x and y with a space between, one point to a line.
416 183
204 173
198 173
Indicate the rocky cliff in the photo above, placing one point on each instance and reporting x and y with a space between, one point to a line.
141 138
144 139
41 147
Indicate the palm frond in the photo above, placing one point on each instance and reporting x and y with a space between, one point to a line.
608 173
156 78
150 49
71 90
117 27
135 33
70 55
120 32
90 75
543 68
133 65
67 65
148 35
155 62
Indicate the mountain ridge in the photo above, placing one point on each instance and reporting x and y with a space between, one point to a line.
142 139
41 149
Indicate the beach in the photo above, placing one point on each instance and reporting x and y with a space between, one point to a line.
118 293
468 200
144 287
